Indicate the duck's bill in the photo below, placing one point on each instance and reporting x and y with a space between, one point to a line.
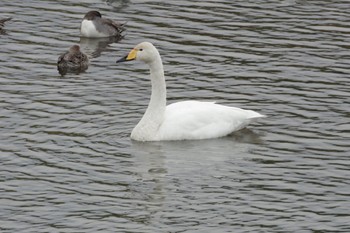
131 56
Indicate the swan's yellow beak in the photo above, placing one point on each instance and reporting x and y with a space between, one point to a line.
131 56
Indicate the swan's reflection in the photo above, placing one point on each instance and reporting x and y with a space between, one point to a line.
159 166
93 47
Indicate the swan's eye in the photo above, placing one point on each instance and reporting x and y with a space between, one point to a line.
140 49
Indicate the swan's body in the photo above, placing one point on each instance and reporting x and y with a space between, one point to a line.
186 120
94 26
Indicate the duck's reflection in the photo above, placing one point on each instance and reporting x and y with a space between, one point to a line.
93 47
149 165
2 25
150 159
63 70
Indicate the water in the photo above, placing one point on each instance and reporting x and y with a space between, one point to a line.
68 165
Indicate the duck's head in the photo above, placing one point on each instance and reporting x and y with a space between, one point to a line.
91 15
144 51
74 49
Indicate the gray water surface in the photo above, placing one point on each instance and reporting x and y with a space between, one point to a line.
67 163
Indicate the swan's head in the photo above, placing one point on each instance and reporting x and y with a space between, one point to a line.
144 51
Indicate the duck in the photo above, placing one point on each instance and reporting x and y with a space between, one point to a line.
73 60
2 22
94 26
184 120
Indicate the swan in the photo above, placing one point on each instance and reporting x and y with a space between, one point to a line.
185 120
94 26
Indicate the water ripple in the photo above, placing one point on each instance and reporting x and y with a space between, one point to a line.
68 165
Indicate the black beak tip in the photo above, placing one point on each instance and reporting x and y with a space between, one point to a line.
123 59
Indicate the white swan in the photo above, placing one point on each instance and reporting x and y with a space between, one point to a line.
186 120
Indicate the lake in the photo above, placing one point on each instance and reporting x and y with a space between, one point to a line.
68 163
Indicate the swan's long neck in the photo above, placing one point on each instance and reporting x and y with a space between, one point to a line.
156 106
154 115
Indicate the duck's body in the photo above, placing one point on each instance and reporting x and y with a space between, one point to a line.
94 26
186 120
73 60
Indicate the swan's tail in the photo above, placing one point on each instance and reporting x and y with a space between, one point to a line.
254 115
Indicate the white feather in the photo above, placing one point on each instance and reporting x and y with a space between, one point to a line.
88 29
202 120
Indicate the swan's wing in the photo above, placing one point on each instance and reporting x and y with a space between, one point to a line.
200 120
